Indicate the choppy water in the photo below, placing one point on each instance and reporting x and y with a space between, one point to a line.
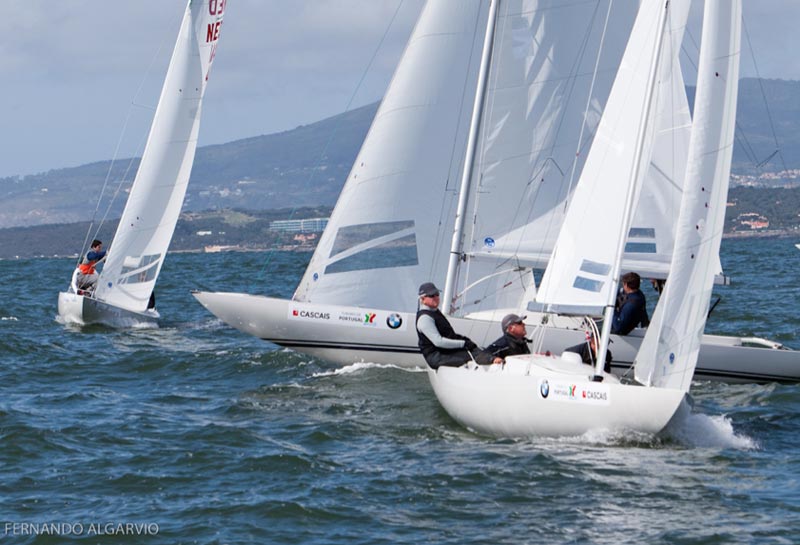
195 433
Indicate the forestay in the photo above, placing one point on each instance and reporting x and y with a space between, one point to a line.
148 221
669 351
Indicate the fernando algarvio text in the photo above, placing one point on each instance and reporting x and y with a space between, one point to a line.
78 529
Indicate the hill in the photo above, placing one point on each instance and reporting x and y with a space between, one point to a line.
307 166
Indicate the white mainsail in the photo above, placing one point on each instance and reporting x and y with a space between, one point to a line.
148 221
388 231
543 102
669 351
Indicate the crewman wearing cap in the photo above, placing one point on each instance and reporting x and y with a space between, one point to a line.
513 341
438 342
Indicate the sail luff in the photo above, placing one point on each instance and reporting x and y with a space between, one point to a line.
669 351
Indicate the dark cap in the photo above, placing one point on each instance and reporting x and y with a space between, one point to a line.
509 319
428 289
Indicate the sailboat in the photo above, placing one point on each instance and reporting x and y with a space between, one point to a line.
556 395
125 285
395 218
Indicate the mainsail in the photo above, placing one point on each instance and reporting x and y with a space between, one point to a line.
148 221
388 231
552 68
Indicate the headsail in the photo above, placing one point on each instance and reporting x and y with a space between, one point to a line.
154 204
669 351
582 274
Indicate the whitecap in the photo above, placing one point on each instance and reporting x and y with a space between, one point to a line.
704 431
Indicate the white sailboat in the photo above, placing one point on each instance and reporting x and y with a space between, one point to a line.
127 280
556 395
389 232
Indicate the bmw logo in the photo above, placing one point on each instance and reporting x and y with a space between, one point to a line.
488 242
544 389
394 321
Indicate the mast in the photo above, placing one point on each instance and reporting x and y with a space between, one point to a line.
456 248
608 314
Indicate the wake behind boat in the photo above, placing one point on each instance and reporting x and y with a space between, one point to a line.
122 295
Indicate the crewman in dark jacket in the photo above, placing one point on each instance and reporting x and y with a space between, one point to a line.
631 309
513 341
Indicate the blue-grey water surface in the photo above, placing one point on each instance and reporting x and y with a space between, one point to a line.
196 433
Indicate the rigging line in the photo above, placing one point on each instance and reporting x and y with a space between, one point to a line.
335 131
763 96
589 100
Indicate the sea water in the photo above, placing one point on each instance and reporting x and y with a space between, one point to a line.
196 433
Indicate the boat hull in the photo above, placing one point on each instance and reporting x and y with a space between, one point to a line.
82 310
543 396
345 335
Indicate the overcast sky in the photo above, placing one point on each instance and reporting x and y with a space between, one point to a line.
73 70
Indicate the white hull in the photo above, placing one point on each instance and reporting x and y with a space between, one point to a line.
346 336
547 396
83 310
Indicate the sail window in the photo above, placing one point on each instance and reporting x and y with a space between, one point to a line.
642 232
398 252
587 284
136 270
593 267
646 241
355 235
640 248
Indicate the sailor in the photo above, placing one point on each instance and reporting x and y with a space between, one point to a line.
513 341
87 275
631 309
439 343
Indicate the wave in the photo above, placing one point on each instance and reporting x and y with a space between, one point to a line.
362 366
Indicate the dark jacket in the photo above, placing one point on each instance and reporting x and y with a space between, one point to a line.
508 345
631 312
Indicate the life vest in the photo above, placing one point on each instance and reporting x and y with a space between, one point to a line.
445 330
87 267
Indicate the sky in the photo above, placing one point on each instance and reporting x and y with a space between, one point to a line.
80 78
